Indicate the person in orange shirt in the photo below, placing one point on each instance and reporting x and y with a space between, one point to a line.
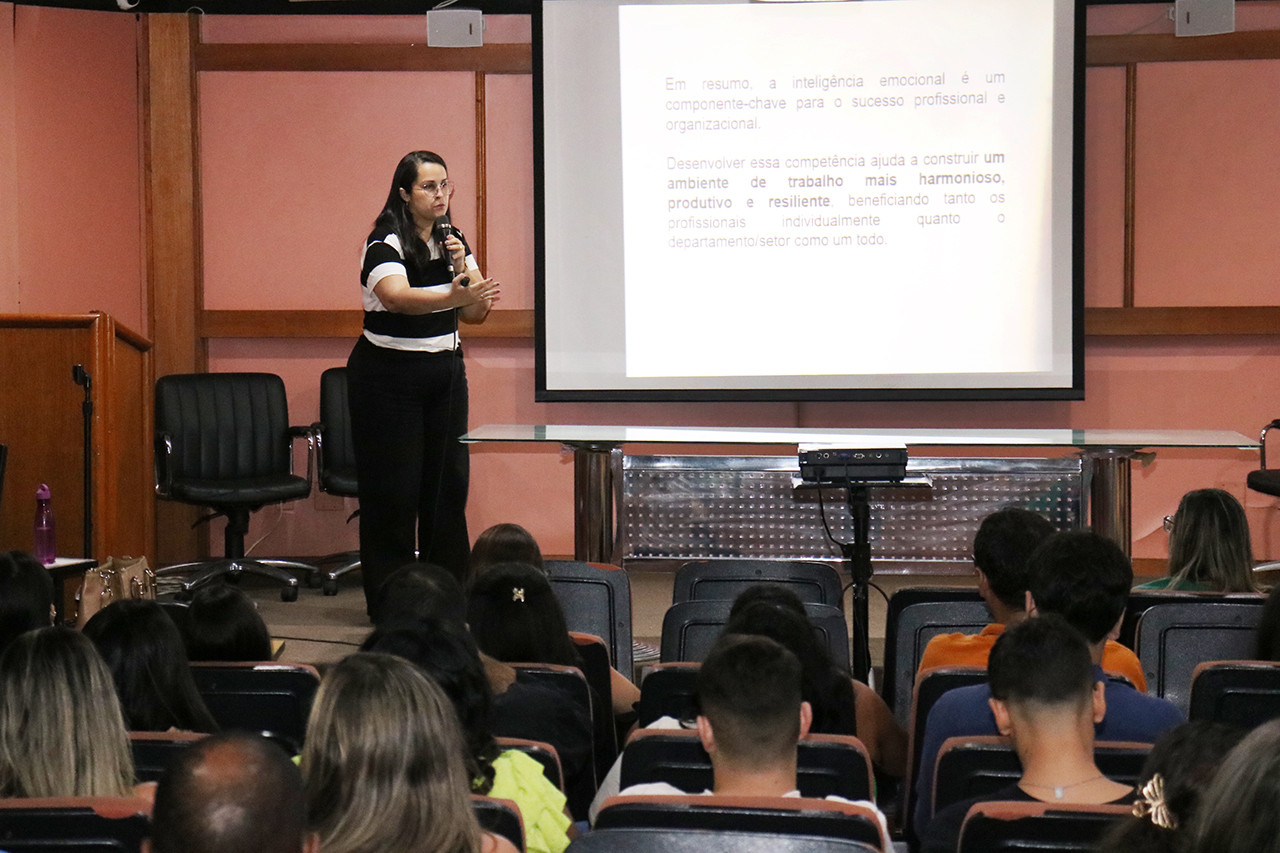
1004 541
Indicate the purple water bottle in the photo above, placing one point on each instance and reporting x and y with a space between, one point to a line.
46 548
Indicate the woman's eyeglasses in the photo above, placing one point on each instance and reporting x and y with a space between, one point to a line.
432 188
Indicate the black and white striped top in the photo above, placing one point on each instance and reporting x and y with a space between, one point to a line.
434 332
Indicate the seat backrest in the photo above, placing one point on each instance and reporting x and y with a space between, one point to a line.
74 824
691 628
541 752
1174 637
500 817
813 582
1140 600
789 815
1241 693
981 765
1000 827
224 426
917 615
336 457
573 685
669 690
929 687
4 458
662 840
826 765
152 751
595 668
596 599
258 697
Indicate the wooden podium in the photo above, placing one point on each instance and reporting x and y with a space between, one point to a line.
42 421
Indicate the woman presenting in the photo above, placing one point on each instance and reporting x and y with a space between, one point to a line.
408 388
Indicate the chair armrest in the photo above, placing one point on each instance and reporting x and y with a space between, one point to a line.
311 435
163 463
1262 442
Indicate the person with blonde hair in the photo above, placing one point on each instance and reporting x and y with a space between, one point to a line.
1209 545
61 730
383 766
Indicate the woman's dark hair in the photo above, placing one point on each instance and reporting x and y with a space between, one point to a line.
775 612
1210 543
222 624
504 543
144 651
395 216
1185 759
515 617
450 657
421 591
26 594
1240 808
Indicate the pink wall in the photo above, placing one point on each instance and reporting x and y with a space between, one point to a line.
294 167
1180 383
75 168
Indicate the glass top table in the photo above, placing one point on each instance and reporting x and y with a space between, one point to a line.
1107 451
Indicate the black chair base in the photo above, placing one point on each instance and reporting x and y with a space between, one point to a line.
330 582
205 572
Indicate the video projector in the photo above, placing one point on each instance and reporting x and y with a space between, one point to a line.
840 464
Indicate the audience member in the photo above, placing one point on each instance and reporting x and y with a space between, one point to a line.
383 765
61 731
421 592
26 595
144 652
223 624
450 658
1241 808
504 543
516 618
1085 579
1046 698
228 794
1209 545
752 717
1173 781
841 704
1004 541
1269 628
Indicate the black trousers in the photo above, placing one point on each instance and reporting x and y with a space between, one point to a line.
407 411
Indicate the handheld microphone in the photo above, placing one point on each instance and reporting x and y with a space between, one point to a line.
443 229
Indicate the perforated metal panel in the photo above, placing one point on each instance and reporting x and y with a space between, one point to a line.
695 507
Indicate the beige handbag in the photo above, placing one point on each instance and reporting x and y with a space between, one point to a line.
117 578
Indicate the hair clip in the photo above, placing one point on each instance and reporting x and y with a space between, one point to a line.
1152 804
517 594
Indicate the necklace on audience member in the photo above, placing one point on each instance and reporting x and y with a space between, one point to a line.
1060 790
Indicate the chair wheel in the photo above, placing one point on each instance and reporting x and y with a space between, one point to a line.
330 586
289 593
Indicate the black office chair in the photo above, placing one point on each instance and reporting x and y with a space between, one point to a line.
917 615
701 580
691 628
74 824
223 441
336 460
596 599
1243 693
1173 638
1265 480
